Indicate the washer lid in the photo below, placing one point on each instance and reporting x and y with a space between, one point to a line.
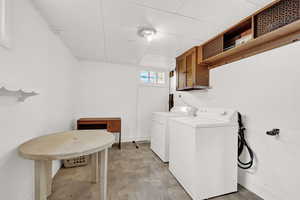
186 110
169 114
178 111
197 122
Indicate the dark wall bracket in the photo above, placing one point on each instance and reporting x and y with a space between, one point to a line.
273 132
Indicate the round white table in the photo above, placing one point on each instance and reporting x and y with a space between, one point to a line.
67 145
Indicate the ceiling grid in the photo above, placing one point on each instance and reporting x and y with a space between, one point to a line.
106 30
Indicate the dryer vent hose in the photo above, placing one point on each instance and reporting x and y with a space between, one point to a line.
242 144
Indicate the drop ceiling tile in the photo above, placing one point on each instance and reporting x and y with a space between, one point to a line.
185 43
221 14
70 13
167 5
79 23
164 44
161 53
133 16
87 45
123 45
156 61
260 3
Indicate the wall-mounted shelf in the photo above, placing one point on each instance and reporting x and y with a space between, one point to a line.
287 34
19 94
273 26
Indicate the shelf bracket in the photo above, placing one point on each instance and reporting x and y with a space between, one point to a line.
19 94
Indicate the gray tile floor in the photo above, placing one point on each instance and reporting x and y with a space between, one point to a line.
134 174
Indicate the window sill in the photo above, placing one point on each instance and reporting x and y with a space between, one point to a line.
153 85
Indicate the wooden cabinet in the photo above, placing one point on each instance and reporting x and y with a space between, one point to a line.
190 74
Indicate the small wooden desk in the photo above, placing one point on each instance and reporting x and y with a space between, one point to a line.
112 125
67 145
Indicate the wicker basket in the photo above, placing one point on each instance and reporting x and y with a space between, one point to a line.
282 13
76 162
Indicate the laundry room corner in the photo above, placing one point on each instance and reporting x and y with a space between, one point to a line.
263 89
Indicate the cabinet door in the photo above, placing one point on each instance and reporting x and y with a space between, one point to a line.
191 67
181 72
202 75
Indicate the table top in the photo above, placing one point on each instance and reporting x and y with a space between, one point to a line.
66 145
99 119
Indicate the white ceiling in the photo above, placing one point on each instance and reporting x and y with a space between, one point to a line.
106 30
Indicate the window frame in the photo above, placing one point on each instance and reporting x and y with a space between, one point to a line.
156 83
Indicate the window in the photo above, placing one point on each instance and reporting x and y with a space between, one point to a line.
152 77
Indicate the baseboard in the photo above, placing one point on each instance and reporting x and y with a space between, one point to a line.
260 190
137 139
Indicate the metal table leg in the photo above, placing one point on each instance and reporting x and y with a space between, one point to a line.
103 173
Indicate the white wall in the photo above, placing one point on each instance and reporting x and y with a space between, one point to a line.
264 88
111 90
149 100
37 61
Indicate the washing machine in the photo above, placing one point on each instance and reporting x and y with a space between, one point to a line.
203 152
160 130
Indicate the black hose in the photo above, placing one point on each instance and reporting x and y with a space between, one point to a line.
242 143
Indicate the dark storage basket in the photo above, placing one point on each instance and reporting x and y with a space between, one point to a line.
280 14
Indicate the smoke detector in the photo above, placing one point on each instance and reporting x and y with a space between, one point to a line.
147 32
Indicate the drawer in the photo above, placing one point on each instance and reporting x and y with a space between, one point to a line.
114 126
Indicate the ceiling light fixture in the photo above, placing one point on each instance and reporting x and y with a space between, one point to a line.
147 33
